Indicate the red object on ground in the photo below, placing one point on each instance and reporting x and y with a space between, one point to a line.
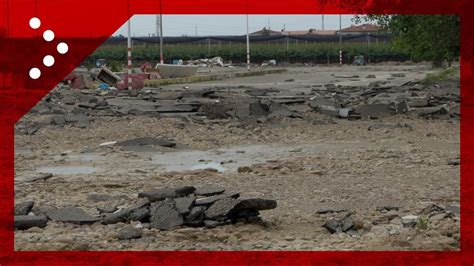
137 81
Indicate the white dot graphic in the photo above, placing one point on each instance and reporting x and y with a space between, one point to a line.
62 48
35 73
35 23
48 60
48 35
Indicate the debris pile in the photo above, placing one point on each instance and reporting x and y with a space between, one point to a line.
215 61
378 101
163 209
79 107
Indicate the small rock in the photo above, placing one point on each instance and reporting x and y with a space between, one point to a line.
129 232
23 222
358 224
24 208
211 224
333 225
336 226
244 169
347 223
255 204
330 210
391 215
432 208
454 162
58 120
410 221
453 208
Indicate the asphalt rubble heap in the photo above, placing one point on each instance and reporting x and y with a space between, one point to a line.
81 107
164 209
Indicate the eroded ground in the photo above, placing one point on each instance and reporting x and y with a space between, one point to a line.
305 164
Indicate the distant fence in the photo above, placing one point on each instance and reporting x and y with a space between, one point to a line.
294 49
374 38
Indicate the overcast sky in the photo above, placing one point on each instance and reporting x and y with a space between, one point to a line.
178 25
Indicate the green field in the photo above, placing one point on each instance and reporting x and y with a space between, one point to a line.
320 53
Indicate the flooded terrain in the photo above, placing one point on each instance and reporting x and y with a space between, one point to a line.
319 167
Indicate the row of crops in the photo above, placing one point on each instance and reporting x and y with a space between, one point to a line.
320 53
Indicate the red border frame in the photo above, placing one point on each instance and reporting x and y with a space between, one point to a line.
85 24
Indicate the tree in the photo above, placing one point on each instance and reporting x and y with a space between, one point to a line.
425 37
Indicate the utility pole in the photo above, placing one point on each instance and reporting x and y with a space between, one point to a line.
368 45
340 39
129 52
248 44
161 37
157 26
322 22
208 47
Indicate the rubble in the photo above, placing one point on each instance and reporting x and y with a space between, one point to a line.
23 208
209 191
107 76
212 199
339 225
377 101
164 209
40 177
164 215
23 222
129 232
163 193
454 208
147 141
386 208
70 215
410 221
125 215
330 210
215 61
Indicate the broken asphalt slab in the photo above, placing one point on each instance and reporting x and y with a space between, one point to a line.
163 193
23 222
71 215
147 141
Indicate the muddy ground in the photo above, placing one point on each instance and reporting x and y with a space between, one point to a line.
305 164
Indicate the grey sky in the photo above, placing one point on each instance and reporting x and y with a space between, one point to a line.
178 25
